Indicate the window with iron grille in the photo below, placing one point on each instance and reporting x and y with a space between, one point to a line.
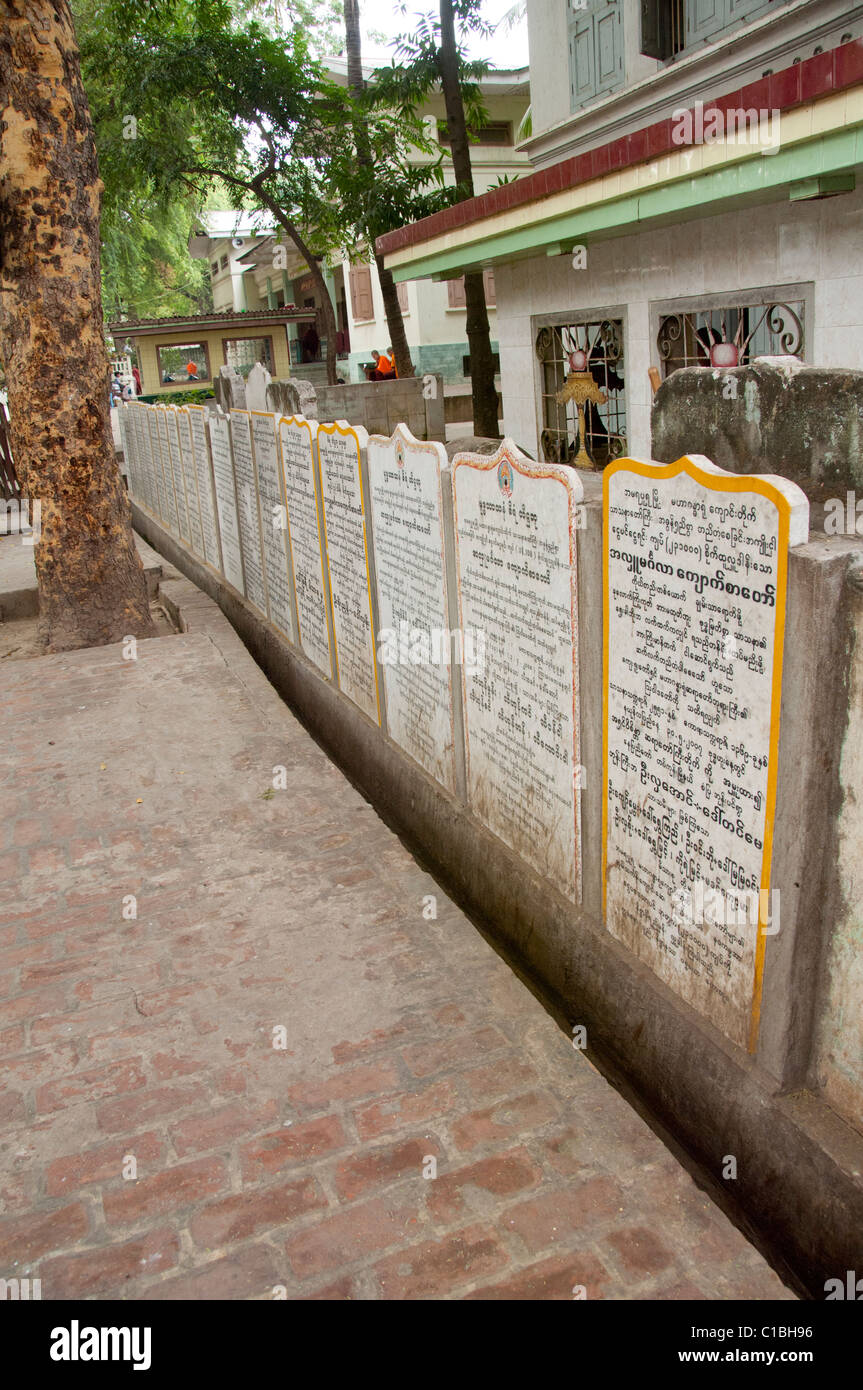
731 330
243 353
601 342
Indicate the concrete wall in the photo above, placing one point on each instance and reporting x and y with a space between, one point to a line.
745 418
812 244
381 405
792 1112
436 333
838 1066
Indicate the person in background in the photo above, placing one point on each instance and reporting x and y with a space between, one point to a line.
386 368
137 375
391 358
311 344
191 371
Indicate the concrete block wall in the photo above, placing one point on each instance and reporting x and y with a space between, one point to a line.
381 405
443 359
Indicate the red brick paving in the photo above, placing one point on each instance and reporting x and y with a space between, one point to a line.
266 1171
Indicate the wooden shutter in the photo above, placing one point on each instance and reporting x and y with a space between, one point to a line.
704 18
402 291
741 10
609 48
595 51
656 40
455 292
362 303
582 66
490 295
707 18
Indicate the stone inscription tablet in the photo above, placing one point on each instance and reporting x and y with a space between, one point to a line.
273 522
206 492
145 449
125 446
298 444
173 504
158 470
226 500
247 509
187 456
695 579
515 525
177 472
415 645
133 432
339 452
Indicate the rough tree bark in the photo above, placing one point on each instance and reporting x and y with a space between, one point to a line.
92 588
389 292
483 390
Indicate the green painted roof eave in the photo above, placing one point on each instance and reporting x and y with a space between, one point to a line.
748 182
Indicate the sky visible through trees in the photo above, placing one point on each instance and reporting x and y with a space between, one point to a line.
506 49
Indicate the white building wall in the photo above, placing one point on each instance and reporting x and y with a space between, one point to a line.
429 320
749 249
548 44
227 285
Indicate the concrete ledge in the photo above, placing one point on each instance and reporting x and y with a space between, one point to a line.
798 1185
19 591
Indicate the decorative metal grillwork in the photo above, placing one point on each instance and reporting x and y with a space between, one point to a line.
731 335
601 342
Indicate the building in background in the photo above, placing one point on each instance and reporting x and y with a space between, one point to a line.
248 274
252 270
649 238
185 352
434 312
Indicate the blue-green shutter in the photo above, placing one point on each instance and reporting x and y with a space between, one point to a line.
707 18
704 18
595 50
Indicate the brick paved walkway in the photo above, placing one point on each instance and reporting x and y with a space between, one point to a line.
405 1039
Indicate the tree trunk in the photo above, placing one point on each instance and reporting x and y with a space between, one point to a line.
483 390
92 588
395 320
328 313
356 82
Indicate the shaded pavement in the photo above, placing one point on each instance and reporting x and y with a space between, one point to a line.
245 1090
